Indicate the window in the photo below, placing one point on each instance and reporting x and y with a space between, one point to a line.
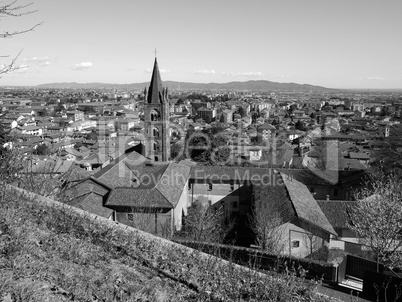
232 187
210 187
235 205
312 190
155 115
130 217
335 192
295 243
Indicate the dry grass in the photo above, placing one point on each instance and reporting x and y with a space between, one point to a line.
53 254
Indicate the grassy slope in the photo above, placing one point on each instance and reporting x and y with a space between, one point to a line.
53 254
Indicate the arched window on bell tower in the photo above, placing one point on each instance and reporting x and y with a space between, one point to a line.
155 132
155 115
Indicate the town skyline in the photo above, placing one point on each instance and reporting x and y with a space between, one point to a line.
335 45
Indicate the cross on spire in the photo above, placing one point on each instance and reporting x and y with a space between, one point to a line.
156 53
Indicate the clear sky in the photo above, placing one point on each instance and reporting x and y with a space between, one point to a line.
339 44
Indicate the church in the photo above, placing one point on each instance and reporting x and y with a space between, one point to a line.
156 119
149 191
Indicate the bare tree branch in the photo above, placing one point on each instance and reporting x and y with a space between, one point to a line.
10 67
6 34
12 9
376 218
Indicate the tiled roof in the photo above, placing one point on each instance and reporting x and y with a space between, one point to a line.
335 211
148 174
350 163
305 206
76 174
353 179
309 177
277 197
228 174
137 198
287 155
359 155
135 182
95 158
118 173
117 176
92 203
87 186
267 126
48 166
285 146
173 181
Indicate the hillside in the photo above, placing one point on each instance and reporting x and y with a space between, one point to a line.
261 85
52 252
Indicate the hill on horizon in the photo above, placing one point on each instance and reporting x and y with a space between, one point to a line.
261 85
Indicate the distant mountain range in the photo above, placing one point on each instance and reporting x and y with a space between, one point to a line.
249 85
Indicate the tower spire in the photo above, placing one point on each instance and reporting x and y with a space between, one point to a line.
156 119
155 94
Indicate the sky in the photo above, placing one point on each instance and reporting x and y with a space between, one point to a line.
335 44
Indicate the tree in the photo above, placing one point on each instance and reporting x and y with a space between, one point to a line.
10 160
59 108
78 145
376 218
12 9
265 225
389 157
89 110
199 146
205 223
43 112
300 126
42 150
267 215
176 151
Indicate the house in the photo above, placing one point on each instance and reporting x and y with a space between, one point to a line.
8 123
94 161
55 166
329 185
31 130
89 195
290 135
264 132
75 115
255 153
362 157
232 188
138 188
206 114
336 211
226 116
307 228
125 124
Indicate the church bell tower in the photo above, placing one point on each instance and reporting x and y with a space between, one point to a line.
156 119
